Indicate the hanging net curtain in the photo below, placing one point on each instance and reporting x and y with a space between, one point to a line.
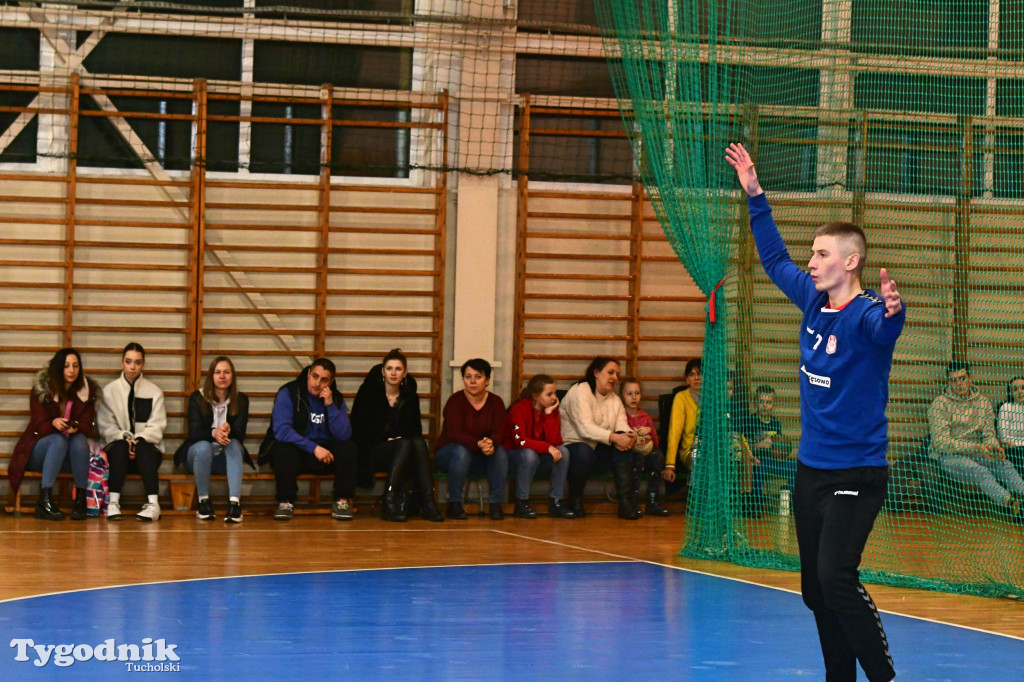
906 118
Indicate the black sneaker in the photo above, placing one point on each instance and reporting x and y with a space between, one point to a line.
234 514
205 511
497 513
284 511
522 510
342 510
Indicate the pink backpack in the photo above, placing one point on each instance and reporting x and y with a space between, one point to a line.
97 488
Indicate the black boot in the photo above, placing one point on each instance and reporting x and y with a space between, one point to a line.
638 475
559 511
523 511
576 497
425 486
392 508
576 506
654 508
78 508
457 511
46 506
624 487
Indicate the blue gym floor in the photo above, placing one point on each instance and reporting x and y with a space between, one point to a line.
586 621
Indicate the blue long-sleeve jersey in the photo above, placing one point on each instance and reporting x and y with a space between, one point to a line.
845 358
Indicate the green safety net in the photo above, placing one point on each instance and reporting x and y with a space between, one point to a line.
907 119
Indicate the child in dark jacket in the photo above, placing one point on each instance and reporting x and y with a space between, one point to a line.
533 439
647 457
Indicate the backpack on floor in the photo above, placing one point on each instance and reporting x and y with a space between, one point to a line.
97 488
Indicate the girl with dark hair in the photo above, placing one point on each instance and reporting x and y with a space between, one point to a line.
217 419
388 430
597 433
471 439
62 406
533 439
131 420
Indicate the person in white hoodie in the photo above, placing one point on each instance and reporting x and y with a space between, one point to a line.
131 421
595 429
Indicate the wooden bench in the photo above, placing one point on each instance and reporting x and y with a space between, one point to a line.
181 492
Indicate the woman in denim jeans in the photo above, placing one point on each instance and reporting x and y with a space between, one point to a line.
471 439
217 419
63 408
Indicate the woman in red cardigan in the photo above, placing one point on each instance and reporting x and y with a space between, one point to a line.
533 439
62 408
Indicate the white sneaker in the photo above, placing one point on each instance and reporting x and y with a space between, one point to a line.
150 512
113 511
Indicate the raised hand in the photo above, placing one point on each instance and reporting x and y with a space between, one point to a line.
739 158
893 302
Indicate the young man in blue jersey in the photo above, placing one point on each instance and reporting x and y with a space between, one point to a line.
847 339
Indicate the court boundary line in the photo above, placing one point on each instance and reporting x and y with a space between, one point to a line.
623 557
289 573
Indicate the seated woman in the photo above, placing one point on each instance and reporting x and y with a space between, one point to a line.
647 458
533 439
217 419
388 430
471 437
595 429
131 420
1011 422
682 426
62 407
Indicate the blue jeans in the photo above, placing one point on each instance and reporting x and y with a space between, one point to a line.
987 474
458 462
524 464
202 462
50 456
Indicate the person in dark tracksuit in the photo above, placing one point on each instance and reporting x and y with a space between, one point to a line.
847 338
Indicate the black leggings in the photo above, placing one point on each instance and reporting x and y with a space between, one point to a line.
414 448
146 463
835 510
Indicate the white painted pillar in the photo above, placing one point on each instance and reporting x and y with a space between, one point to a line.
482 89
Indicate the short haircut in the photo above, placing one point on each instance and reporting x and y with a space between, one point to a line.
325 364
396 354
137 347
695 363
764 389
479 364
957 365
535 386
597 365
849 235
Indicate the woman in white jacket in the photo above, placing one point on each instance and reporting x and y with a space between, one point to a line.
595 430
132 420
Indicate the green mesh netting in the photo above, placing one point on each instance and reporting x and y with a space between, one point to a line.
906 118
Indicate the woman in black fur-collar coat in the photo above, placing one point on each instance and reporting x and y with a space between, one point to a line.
387 428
